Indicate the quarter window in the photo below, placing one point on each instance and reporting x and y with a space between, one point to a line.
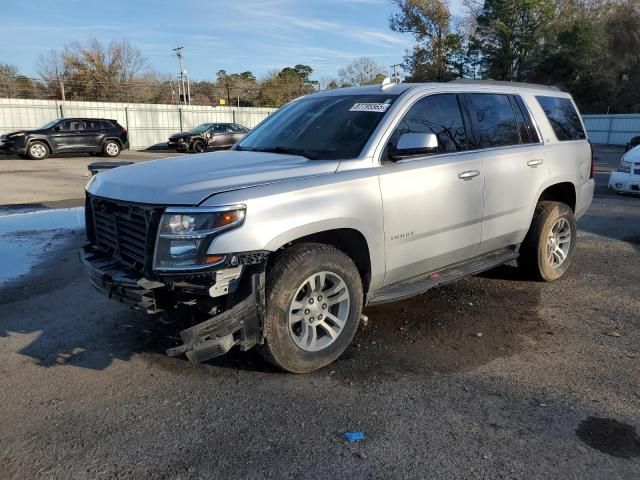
563 117
439 114
494 120
528 133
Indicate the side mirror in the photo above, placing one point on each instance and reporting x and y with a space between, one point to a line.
413 144
58 128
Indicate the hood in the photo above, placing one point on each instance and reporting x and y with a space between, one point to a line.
24 130
632 156
190 179
176 136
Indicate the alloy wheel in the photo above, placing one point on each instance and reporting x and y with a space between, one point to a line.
319 311
559 242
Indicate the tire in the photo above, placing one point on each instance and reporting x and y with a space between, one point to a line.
289 342
37 150
197 147
111 148
543 254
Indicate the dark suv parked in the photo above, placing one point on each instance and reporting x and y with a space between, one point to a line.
68 135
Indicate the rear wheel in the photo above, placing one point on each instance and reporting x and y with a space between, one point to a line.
37 151
548 248
111 148
314 301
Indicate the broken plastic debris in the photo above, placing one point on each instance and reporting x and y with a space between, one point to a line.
354 436
613 333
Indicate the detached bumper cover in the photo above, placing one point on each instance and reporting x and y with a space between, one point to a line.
240 324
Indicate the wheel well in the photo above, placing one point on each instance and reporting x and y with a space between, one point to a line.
112 139
349 241
560 192
42 140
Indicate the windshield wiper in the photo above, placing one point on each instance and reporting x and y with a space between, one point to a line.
284 150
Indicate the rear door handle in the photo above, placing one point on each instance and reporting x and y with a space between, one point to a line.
534 163
469 174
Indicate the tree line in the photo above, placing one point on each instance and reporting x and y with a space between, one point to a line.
590 48
118 72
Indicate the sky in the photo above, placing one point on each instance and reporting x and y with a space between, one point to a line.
231 35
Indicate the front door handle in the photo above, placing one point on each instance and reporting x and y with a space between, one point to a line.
469 174
534 163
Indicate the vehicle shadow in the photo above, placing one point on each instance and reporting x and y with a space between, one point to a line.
56 318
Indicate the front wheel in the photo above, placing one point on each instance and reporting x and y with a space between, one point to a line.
37 151
314 301
198 147
548 248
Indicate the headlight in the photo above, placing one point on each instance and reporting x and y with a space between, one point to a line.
625 167
16 135
185 235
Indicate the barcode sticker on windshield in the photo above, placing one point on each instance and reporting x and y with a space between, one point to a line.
369 107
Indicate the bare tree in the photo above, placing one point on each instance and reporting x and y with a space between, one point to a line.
8 80
362 71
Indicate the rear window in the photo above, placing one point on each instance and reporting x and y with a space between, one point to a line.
563 117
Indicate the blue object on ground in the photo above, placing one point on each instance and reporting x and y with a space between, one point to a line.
354 436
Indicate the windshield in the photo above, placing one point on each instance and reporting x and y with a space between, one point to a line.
201 128
49 124
327 127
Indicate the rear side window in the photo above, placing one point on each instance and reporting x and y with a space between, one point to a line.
237 128
563 117
439 114
494 120
528 133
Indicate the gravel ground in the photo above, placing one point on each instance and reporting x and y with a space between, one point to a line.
491 377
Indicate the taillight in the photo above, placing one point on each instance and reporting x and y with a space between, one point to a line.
592 173
124 130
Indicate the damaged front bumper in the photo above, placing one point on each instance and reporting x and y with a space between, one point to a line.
626 182
240 323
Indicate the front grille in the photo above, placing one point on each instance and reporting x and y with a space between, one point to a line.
126 231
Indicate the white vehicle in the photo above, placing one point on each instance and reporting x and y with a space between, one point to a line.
341 199
627 178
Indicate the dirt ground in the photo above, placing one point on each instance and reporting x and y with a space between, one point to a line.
491 377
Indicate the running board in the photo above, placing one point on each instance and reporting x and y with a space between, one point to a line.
424 282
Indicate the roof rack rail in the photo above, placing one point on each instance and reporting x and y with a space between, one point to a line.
502 83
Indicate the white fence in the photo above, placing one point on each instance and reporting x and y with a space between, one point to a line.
612 129
148 124
151 124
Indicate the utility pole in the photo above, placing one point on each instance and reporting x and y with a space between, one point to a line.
62 89
395 76
186 97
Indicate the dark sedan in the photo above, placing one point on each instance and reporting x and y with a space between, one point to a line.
208 136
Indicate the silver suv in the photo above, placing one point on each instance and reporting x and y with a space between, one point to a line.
342 199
